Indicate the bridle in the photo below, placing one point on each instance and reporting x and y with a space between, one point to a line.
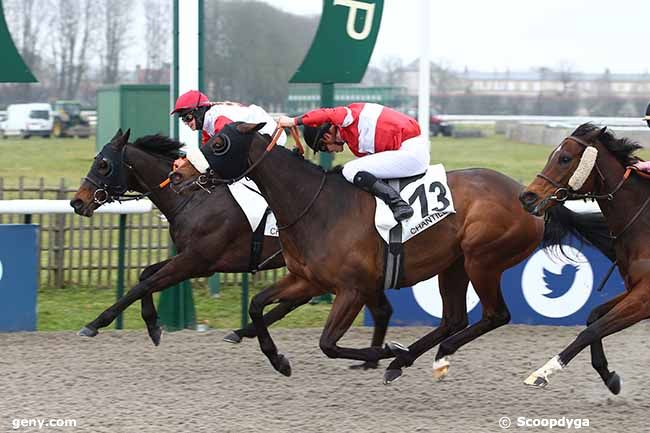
210 178
563 193
113 186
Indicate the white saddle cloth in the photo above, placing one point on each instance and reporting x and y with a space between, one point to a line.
430 198
248 196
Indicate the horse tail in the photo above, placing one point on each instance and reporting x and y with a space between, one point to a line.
590 228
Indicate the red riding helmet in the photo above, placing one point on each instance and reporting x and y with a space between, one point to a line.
190 100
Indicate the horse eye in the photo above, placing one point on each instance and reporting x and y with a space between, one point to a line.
565 159
103 166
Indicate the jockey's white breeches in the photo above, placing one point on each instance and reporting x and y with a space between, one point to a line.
411 159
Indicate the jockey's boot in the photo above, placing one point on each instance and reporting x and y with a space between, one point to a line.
377 187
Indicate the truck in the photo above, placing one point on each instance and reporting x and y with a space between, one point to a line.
26 120
68 120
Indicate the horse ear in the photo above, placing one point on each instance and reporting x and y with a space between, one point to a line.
249 128
602 131
126 135
117 135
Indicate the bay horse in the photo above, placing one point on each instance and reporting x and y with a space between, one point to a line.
329 241
593 163
210 232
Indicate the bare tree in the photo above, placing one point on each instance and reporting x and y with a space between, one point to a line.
157 35
393 69
116 16
71 25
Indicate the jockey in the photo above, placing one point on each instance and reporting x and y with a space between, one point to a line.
198 113
388 143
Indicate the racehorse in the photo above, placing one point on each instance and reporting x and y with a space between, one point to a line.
329 240
593 163
211 233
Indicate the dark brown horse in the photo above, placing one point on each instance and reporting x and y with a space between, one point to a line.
329 240
210 232
591 163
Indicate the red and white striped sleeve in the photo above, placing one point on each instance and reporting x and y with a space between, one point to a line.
339 116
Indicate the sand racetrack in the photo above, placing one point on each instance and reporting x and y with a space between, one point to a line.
119 382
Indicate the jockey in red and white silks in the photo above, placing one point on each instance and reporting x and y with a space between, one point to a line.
388 143
198 113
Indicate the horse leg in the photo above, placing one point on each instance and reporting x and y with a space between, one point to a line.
92 328
291 287
175 270
150 317
634 307
495 314
345 309
277 313
381 311
598 358
453 291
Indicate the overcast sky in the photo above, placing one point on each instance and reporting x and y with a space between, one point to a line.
587 35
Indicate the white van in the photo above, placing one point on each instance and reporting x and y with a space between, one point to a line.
26 120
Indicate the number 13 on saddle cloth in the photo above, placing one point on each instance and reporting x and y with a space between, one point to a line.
430 197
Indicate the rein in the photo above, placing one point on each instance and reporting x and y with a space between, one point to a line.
309 205
276 136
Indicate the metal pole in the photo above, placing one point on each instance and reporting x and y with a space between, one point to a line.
326 101
120 266
244 300
214 283
425 69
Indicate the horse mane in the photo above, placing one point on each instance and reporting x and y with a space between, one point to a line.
160 145
622 148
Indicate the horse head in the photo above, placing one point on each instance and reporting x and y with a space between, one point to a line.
228 151
577 167
113 173
106 179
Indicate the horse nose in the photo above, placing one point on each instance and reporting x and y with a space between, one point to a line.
77 204
528 198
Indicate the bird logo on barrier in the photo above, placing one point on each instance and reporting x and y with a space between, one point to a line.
556 286
559 284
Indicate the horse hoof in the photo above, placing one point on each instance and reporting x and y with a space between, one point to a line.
232 338
368 365
536 381
87 331
614 383
396 348
391 375
440 368
155 334
282 365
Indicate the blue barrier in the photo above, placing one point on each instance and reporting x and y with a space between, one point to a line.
18 277
545 289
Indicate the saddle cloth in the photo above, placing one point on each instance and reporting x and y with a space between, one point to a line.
248 197
428 194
